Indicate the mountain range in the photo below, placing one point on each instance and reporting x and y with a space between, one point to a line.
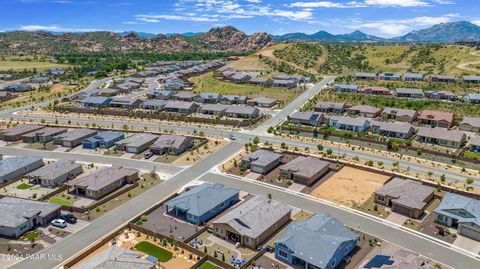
216 39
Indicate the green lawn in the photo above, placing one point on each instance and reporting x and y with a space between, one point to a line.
208 265
161 254
29 65
60 201
471 155
24 186
29 236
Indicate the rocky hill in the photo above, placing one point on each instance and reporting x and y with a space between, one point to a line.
217 39
444 33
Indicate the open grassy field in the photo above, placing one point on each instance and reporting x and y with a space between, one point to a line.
57 90
207 83
18 65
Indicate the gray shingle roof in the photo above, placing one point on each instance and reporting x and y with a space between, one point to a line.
452 201
137 140
14 210
254 216
317 239
364 109
116 258
202 199
330 105
21 129
305 166
397 127
102 177
55 169
400 112
409 91
306 116
350 121
169 140
472 121
475 140
11 164
441 133
406 192
262 157
76 134
241 109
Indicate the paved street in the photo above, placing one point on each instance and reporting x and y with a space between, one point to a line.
77 242
416 242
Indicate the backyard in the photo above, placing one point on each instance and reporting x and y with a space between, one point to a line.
161 254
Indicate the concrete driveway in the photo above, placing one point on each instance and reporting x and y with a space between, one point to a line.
73 228
467 243
397 218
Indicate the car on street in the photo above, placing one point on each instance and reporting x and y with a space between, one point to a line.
69 218
232 137
148 155
60 223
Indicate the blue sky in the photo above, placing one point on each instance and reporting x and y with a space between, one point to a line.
384 18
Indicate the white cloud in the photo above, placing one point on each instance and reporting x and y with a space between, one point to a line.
55 28
477 22
327 4
157 18
397 3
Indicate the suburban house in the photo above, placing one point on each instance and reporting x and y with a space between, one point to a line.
474 144
436 118
136 143
55 173
103 181
117 257
402 130
184 96
74 138
260 81
365 76
460 212
322 241
409 93
330 107
398 114
252 222
157 105
307 118
470 124
375 90
181 107
289 84
19 87
160 94
412 76
441 95
213 109
472 98
43 135
443 78
125 102
171 144
233 100
200 204
349 124
96 102
389 76
405 196
305 170
243 112
39 80
108 92
262 102
365 111
15 167
470 79
208 98
56 71
16 133
240 77
345 88
441 137
261 161
103 140
21 215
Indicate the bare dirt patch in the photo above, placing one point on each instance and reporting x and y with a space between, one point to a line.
350 186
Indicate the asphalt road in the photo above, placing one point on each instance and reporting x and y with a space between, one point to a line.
82 239
441 252
92 158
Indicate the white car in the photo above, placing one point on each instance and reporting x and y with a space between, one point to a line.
60 223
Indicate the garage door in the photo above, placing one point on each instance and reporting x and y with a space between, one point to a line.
402 210
469 232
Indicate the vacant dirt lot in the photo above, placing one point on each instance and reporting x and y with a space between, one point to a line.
349 186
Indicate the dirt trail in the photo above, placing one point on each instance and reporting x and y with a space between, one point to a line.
467 65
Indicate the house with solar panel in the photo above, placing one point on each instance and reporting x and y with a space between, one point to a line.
202 203
319 242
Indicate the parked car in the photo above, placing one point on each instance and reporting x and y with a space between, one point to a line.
69 218
232 137
60 223
148 155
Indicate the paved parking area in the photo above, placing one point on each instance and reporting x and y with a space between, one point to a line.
73 228
397 218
